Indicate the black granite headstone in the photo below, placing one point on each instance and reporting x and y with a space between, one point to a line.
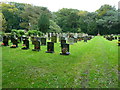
48 36
43 41
65 49
36 45
5 40
25 43
15 43
116 37
54 39
50 47
62 42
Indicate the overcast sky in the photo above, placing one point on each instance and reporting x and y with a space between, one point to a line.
55 5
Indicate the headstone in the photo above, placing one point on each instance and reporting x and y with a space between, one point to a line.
62 42
116 37
32 39
48 36
36 45
80 38
110 38
43 41
50 47
15 43
75 40
25 43
65 49
75 35
52 34
12 38
20 39
5 40
54 39
85 38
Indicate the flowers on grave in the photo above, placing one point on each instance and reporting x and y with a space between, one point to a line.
23 45
64 50
49 50
2 44
13 45
37 47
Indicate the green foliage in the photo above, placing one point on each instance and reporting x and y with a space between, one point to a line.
54 27
68 19
3 22
34 32
14 32
21 32
29 17
43 23
107 20
10 13
40 33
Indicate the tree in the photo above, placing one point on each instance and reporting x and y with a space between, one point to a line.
43 22
11 16
54 27
31 16
107 19
68 19
3 26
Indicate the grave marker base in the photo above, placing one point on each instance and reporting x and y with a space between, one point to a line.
35 50
24 48
13 46
49 51
67 53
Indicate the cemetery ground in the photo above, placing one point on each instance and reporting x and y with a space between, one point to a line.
91 65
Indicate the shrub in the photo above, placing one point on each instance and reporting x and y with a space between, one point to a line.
21 32
14 31
32 32
40 33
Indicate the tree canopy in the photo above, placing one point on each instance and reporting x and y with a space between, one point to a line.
29 17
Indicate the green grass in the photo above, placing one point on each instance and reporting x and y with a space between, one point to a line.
91 65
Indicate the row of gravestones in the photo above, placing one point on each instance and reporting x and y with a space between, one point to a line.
50 45
110 38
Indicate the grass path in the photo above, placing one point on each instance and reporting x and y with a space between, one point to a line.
91 65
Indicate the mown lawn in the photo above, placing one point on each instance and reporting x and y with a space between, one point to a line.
91 65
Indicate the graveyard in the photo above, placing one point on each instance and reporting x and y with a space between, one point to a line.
59 44
91 64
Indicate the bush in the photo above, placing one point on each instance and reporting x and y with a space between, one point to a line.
21 32
14 31
40 33
34 32
7 34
